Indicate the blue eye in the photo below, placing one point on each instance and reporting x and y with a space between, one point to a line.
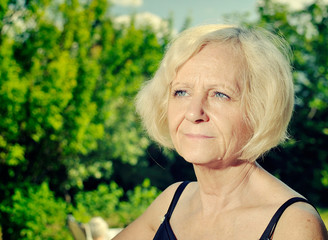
180 93
221 95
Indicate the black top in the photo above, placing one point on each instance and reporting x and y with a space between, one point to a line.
165 231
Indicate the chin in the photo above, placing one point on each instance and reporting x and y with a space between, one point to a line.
214 161
201 158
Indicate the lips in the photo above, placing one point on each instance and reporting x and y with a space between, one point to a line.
198 136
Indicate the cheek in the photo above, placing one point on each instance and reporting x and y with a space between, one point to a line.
170 115
241 133
173 118
231 126
175 114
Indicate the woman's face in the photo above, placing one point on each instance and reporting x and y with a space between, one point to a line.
204 114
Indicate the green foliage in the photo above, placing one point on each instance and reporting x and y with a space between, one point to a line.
324 216
138 200
305 155
34 213
67 83
68 79
12 96
100 202
106 202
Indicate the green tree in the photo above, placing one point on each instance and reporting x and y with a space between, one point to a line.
303 161
68 78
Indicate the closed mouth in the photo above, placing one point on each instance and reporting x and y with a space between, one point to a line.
198 136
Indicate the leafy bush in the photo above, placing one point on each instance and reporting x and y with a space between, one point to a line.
138 200
101 202
106 202
36 214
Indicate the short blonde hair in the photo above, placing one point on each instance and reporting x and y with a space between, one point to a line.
266 83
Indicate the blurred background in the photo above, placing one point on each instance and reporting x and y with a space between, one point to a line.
70 141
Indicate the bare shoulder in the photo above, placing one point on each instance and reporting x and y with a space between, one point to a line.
301 221
156 211
146 225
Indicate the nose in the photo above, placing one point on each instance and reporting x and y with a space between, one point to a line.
196 110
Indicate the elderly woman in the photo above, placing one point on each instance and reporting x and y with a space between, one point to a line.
222 97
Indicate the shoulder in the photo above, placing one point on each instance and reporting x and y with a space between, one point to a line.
300 221
164 199
156 211
147 224
168 193
162 202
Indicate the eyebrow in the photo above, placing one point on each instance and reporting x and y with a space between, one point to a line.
234 90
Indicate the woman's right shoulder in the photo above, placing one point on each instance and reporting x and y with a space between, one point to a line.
162 202
147 224
168 193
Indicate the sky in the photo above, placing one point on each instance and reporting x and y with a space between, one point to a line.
200 11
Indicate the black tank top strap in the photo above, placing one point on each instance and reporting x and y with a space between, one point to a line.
268 232
175 199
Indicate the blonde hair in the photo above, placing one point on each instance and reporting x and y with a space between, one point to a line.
265 77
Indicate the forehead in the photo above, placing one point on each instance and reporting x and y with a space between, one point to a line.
215 63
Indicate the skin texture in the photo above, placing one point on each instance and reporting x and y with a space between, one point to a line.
232 198
205 120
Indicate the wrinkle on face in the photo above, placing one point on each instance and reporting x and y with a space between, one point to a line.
211 70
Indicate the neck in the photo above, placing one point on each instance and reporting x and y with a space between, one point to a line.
224 188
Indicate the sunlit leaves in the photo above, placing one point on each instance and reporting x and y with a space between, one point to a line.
306 31
37 213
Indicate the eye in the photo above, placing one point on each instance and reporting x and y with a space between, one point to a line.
180 93
221 95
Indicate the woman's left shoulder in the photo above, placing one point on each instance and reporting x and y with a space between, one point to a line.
301 221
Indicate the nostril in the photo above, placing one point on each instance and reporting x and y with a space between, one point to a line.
199 121
195 112
197 117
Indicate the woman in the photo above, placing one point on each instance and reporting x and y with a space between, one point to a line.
222 97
